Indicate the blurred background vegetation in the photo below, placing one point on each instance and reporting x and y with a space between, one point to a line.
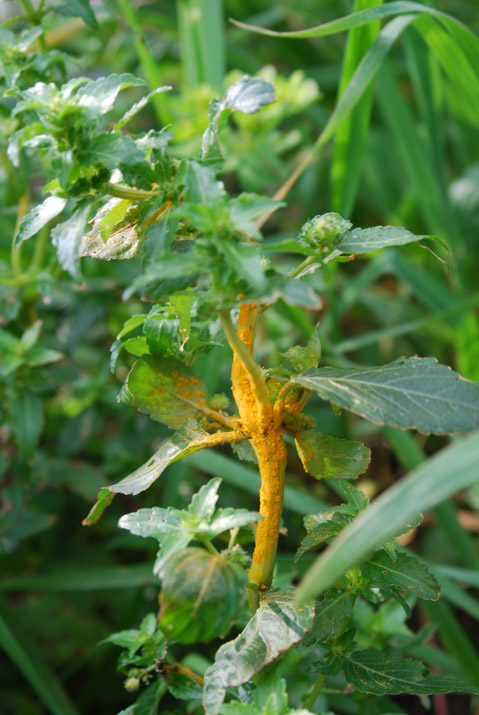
63 435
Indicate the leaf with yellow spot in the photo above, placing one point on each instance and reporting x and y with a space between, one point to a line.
165 389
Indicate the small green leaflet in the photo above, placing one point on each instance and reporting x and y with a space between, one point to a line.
276 626
331 613
322 527
67 238
165 389
364 240
98 96
184 688
329 457
138 106
104 499
111 237
175 528
303 358
382 674
38 217
405 574
201 596
410 393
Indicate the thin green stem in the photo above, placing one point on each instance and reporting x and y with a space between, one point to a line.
313 696
212 549
127 192
241 351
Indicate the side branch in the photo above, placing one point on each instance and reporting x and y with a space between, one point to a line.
248 362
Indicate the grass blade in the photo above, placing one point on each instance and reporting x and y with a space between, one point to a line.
202 41
33 665
351 134
454 468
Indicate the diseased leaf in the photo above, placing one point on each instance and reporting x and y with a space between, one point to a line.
165 389
405 574
112 236
276 626
189 439
364 240
303 358
383 674
201 596
329 457
67 237
38 217
331 613
322 527
410 393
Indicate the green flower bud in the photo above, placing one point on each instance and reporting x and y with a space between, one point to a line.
324 231
218 402
132 684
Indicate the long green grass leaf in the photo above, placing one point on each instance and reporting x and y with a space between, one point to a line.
33 666
454 468
351 134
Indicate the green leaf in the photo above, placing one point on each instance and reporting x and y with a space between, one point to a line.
248 95
329 457
166 390
114 150
38 217
322 527
364 240
78 8
201 596
184 688
27 421
331 613
382 674
405 574
138 106
99 95
247 207
201 185
454 468
303 358
412 393
189 439
104 499
147 703
275 627
67 238
161 335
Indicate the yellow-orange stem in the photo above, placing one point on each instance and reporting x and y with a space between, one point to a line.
257 420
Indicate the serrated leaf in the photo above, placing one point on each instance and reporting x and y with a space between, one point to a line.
99 95
364 240
382 674
67 237
303 358
38 217
165 389
201 185
189 439
405 574
321 527
276 626
331 613
412 393
328 457
201 596
184 688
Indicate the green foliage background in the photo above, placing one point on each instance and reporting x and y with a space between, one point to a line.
64 587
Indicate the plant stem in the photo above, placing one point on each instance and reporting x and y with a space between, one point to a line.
312 697
258 421
250 365
127 192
